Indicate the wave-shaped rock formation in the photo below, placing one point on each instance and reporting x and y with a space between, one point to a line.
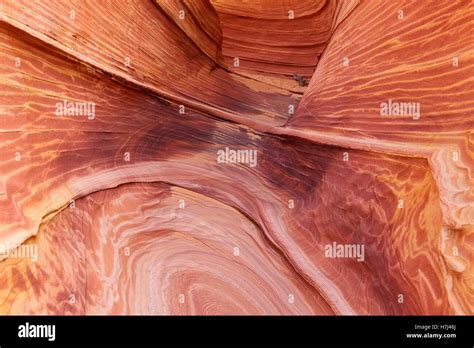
230 157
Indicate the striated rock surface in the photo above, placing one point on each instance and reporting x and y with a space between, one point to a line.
275 40
119 192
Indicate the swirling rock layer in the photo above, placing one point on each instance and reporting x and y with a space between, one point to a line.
127 208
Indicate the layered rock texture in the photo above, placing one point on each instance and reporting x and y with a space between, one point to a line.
231 157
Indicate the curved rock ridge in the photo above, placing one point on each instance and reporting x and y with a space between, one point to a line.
146 38
176 183
126 244
368 73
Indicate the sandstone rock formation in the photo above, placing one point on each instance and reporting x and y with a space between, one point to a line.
114 198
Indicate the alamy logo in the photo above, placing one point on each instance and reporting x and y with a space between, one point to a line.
335 250
394 108
37 331
237 156
69 108
24 251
